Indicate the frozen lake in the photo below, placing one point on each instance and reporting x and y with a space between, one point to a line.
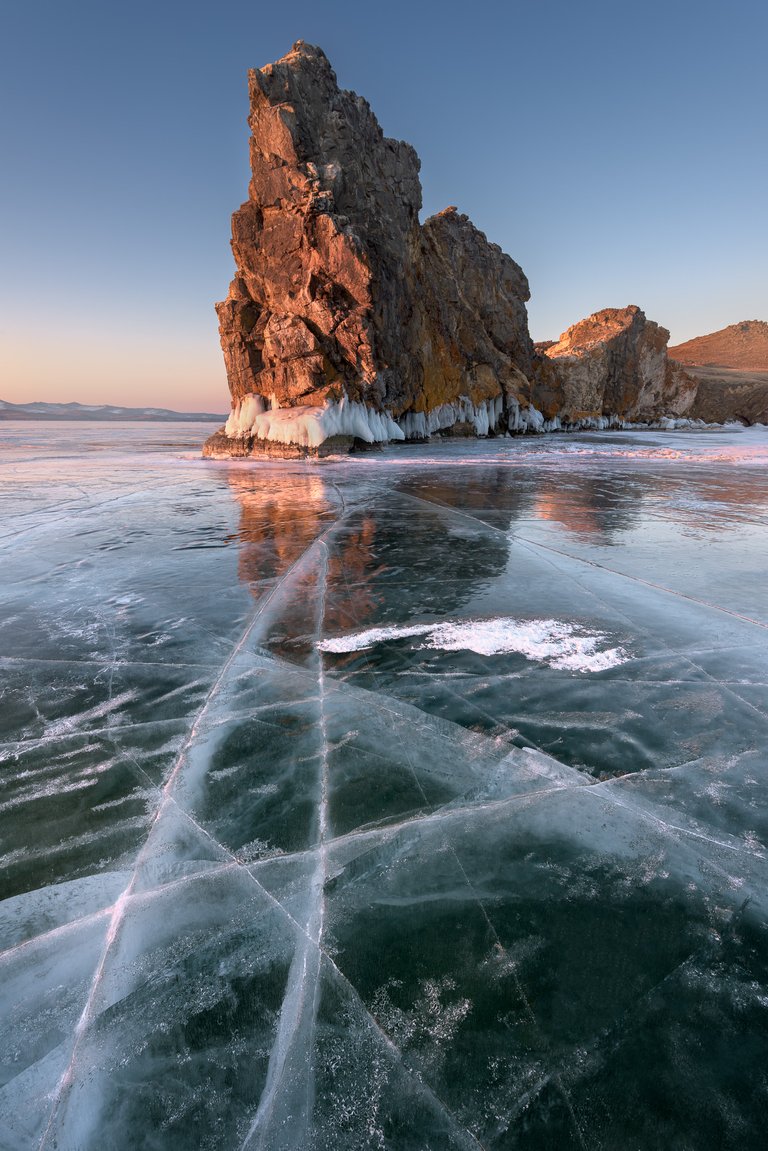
416 800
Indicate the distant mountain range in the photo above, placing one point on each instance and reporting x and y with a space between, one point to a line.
94 412
743 346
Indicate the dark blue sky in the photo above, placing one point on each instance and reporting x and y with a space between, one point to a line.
618 152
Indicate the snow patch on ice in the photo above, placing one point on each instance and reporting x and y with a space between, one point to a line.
310 426
566 646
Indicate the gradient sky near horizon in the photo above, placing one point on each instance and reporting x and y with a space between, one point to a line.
617 152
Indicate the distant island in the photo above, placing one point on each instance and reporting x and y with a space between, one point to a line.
100 412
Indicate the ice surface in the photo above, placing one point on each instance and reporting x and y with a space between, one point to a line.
415 800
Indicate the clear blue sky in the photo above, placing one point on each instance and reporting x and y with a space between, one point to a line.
619 152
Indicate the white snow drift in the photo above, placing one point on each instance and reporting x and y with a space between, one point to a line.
556 643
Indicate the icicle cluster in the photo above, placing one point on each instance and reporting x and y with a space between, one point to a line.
310 427
483 417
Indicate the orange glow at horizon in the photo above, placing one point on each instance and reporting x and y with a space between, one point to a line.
134 370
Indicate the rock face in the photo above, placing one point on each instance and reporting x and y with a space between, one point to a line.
743 346
341 299
614 363
349 321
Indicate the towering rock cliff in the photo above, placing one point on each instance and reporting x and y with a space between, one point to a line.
345 311
348 319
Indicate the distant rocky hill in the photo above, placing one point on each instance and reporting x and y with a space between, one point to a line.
731 367
743 346
98 412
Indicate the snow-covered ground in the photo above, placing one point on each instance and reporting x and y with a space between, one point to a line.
410 800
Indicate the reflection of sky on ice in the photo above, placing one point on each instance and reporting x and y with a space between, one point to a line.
267 885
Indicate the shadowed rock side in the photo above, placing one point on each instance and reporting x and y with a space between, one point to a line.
727 394
349 321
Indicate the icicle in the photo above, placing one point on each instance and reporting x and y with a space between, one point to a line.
483 417
243 414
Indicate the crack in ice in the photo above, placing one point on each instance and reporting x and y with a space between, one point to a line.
298 1014
120 906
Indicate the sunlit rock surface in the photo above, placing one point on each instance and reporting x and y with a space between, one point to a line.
743 346
614 363
414 800
339 291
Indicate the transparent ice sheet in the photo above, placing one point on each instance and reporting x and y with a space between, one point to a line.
261 895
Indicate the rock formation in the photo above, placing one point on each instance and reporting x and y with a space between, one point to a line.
349 320
613 364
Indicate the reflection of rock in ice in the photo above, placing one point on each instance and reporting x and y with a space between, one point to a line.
279 520
282 517
561 645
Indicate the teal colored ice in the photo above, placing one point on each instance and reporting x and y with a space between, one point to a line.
411 800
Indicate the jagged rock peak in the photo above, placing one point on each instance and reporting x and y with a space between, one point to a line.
340 296
600 327
615 362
